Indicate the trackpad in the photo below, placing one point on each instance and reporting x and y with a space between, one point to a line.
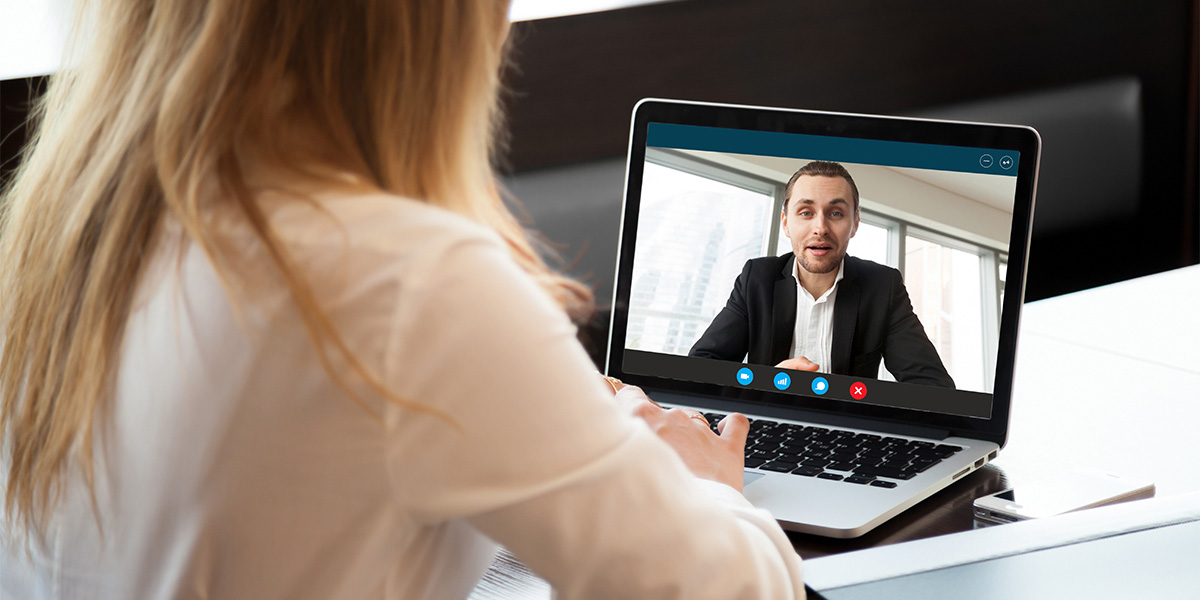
749 477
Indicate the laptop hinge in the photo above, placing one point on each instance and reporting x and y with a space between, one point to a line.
792 414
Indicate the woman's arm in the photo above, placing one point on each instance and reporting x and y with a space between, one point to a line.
544 461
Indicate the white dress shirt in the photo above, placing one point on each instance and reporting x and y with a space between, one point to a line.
233 467
813 335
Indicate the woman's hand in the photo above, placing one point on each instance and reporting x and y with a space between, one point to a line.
708 455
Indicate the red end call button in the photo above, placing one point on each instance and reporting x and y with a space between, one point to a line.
858 390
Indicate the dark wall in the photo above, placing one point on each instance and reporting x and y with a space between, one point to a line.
577 79
16 96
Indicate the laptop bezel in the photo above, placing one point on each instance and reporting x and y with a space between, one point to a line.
1016 138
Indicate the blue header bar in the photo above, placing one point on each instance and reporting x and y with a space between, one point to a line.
837 149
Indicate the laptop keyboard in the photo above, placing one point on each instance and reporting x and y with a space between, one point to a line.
834 454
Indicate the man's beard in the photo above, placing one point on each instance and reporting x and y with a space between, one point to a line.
826 264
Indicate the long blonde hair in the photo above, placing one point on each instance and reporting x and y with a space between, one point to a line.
157 119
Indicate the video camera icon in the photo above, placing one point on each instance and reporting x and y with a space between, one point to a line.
745 376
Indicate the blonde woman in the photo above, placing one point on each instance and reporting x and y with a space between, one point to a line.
268 332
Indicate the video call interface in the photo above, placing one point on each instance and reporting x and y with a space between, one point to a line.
914 316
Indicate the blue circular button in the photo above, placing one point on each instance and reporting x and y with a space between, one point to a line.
820 386
745 376
782 381
985 161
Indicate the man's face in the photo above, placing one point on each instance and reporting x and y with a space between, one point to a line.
820 219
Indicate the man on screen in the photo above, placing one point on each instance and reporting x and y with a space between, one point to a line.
817 309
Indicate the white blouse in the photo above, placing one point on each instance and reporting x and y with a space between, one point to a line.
233 467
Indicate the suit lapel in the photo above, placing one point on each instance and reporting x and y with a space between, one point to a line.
783 321
845 318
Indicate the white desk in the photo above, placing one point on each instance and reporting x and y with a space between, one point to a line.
1108 377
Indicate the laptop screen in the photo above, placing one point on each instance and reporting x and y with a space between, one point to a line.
822 261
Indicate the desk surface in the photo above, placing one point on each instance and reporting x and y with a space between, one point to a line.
1108 377
1147 549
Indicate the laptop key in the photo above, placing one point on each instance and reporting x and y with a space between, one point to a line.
807 471
883 484
833 476
883 472
920 466
779 466
859 479
763 456
752 463
840 466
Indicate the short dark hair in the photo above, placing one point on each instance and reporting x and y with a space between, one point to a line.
820 168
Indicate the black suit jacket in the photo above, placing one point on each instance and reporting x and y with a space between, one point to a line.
873 320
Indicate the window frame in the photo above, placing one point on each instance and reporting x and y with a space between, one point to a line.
989 293
692 165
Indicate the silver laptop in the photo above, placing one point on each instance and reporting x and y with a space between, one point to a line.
864 317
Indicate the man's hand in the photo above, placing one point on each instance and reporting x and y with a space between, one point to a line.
708 455
799 363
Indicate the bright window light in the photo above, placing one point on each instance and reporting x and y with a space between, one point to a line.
32 31
31 36
528 10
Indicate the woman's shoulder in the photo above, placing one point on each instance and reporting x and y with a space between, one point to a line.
348 245
374 222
